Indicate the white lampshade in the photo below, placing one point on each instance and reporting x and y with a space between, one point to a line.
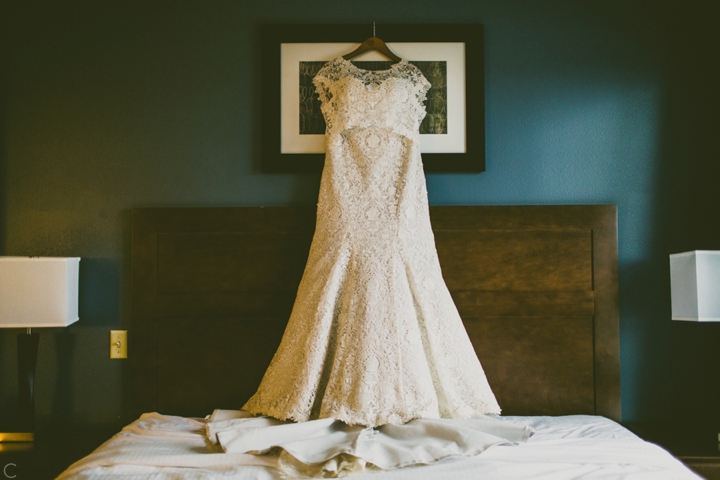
38 291
695 286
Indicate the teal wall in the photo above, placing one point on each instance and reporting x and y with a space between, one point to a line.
107 106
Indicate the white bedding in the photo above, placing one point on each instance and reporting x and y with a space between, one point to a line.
570 447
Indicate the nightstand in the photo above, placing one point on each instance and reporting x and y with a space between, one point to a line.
696 446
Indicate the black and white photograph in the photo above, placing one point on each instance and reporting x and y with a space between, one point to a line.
294 128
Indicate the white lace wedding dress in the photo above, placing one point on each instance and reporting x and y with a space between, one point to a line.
374 337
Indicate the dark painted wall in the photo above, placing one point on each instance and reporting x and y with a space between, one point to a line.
106 106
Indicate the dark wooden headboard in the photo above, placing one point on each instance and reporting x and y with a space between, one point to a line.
536 286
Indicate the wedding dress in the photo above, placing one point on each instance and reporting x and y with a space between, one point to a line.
374 338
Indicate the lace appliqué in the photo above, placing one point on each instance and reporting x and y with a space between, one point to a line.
374 337
392 97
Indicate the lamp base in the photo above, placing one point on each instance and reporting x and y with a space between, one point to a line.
22 429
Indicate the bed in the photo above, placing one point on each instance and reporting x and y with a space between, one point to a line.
536 287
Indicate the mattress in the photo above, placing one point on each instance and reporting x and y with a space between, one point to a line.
563 448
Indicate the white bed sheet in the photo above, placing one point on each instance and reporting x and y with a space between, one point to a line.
160 447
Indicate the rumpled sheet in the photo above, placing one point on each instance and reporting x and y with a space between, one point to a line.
331 448
162 447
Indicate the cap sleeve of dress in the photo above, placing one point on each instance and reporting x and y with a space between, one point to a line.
323 81
322 87
423 86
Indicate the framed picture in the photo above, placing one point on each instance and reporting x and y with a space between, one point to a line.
452 135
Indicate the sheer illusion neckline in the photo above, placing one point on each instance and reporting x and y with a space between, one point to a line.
372 72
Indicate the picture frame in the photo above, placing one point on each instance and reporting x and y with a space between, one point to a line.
293 132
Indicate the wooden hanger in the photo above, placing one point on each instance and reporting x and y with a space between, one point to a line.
373 43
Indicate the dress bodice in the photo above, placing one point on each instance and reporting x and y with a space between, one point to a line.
355 98
373 170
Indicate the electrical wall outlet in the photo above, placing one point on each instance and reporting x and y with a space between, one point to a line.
118 343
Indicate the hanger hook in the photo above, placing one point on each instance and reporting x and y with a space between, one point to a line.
373 28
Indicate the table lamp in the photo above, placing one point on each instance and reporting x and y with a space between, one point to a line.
35 292
695 286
